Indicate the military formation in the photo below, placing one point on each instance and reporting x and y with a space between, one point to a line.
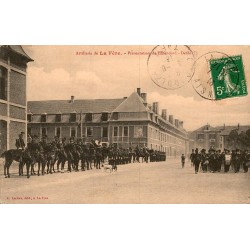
60 155
217 160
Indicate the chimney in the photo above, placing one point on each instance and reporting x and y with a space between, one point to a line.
164 114
238 126
72 99
144 97
139 91
156 107
171 119
181 124
176 123
125 97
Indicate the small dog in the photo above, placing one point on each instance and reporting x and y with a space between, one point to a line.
109 167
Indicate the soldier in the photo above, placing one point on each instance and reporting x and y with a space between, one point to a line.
219 160
227 161
246 161
237 160
204 160
196 160
70 147
98 157
192 158
43 154
212 161
182 160
34 148
20 145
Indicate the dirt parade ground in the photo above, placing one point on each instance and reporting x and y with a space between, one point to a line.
157 182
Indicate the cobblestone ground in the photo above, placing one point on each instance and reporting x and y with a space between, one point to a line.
159 182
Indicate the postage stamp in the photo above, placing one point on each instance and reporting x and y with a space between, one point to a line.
228 77
170 66
218 76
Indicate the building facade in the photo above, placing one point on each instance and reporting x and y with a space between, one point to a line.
13 105
124 122
216 137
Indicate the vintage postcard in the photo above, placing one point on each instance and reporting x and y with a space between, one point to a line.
165 124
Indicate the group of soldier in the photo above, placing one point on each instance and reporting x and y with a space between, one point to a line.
79 155
214 160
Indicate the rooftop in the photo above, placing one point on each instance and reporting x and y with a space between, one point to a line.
66 106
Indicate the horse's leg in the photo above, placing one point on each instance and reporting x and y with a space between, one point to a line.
20 168
38 171
43 166
6 168
50 166
28 169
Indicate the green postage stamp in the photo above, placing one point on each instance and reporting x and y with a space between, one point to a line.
228 77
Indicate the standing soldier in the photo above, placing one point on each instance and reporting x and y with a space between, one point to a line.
219 160
69 151
204 160
196 160
213 161
182 160
192 158
237 161
227 161
246 161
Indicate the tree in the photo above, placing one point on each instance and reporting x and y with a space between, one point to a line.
233 139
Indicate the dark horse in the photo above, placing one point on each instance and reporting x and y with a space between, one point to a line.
23 157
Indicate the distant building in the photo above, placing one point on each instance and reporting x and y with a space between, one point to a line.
13 65
216 137
126 122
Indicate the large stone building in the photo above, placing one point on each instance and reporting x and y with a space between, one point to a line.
13 65
216 137
126 122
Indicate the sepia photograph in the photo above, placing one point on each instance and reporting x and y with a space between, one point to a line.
124 124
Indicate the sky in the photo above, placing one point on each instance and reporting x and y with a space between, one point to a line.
93 72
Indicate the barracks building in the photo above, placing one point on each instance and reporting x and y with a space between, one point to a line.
126 122
216 137
13 65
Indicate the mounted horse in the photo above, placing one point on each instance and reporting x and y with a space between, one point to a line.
23 157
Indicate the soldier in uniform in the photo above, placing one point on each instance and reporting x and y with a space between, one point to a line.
204 160
34 148
237 161
20 145
182 160
192 158
212 161
196 160
227 160
246 161
70 147
98 157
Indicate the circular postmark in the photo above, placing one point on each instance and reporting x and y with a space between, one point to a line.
216 76
171 66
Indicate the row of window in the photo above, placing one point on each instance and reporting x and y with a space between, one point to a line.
72 118
163 137
202 136
89 131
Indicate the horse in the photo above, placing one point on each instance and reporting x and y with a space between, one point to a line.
51 157
23 157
